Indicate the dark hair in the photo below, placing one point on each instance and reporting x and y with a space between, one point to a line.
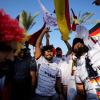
81 50
77 40
58 49
47 47
86 49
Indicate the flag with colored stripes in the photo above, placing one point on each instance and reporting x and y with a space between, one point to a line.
63 17
95 31
96 83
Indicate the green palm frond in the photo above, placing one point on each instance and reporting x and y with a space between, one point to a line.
85 17
26 20
82 18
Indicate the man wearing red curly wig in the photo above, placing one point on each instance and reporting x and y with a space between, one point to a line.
10 34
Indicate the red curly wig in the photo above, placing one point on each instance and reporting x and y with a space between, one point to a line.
10 29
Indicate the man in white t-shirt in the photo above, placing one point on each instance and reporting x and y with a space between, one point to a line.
85 72
48 72
68 68
83 80
68 81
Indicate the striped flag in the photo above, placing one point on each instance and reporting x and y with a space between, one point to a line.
95 31
63 17
96 82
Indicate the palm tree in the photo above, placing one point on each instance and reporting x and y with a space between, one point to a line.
85 17
81 18
26 20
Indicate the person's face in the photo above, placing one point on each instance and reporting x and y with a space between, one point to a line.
59 53
78 45
48 55
78 49
8 55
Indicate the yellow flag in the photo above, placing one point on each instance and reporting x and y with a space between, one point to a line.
62 21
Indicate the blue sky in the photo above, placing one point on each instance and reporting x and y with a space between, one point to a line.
14 7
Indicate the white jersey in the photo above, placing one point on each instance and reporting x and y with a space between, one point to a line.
81 77
57 60
67 78
60 59
66 67
47 74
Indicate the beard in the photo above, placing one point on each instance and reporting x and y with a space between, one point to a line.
80 51
49 58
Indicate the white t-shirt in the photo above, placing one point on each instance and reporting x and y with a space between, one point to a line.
66 67
81 77
57 60
47 74
60 59
67 78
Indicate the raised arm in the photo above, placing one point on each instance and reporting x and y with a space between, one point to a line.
69 47
47 38
38 44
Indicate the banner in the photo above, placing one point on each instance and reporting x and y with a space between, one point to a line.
34 36
63 17
48 17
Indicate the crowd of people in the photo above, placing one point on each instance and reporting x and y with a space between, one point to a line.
49 75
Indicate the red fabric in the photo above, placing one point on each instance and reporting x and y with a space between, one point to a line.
96 32
74 24
9 28
67 14
54 51
35 36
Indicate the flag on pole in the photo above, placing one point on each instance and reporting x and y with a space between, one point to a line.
75 21
63 17
34 36
48 17
95 31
